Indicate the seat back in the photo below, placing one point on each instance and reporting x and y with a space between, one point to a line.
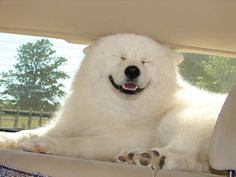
222 152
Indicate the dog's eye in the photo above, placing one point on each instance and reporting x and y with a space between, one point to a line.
123 58
118 56
143 61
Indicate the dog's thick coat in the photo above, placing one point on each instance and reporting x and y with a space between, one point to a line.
105 113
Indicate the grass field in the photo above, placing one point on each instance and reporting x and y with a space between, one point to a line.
7 121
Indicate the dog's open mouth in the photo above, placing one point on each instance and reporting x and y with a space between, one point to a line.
129 88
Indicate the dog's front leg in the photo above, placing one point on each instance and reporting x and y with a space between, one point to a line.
12 140
93 147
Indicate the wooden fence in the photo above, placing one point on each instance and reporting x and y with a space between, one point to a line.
18 113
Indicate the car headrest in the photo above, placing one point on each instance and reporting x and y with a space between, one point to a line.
222 152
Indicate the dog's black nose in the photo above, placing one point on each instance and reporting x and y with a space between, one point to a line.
132 72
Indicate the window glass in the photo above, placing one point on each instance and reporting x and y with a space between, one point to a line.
35 75
213 73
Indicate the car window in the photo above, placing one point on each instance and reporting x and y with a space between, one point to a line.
35 75
213 73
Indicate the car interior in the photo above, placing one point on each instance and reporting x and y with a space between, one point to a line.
186 25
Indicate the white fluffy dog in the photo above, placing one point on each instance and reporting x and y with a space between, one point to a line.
127 95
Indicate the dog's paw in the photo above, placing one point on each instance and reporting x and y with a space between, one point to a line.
40 145
149 158
8 140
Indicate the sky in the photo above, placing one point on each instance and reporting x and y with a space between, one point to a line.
72 52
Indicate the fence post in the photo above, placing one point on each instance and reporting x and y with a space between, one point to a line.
16 118
30 117
50 115
40 117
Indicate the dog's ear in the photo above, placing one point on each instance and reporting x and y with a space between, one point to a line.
86 49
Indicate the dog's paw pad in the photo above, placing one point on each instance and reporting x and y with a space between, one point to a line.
122 158
149 158
144 162
125 157
162 162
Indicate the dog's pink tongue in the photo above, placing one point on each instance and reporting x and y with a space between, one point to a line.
130 86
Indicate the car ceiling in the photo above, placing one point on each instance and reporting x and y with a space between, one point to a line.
207 26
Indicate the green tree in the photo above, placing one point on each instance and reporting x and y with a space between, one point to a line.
214 73
34 82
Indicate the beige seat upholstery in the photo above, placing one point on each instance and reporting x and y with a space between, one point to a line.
57 166
222 154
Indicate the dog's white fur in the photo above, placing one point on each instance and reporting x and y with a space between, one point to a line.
96 121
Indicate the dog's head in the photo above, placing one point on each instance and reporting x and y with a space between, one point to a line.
129 65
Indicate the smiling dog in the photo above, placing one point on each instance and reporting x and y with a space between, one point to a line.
127 95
